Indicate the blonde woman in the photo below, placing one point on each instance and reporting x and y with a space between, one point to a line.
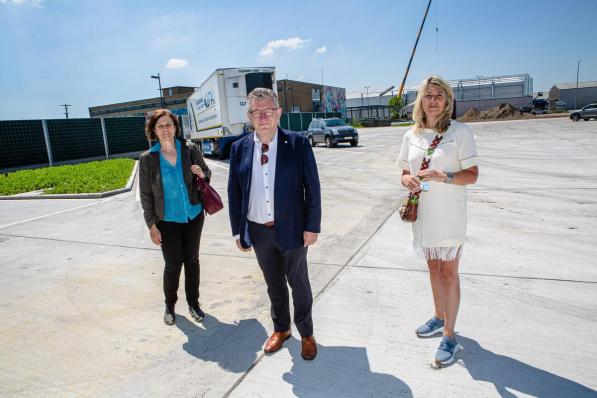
440 228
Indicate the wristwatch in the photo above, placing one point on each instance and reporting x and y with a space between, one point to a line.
449 178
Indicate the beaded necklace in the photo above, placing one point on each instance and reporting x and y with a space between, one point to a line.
414 197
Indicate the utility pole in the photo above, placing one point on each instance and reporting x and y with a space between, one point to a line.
576 91
67 105
160 88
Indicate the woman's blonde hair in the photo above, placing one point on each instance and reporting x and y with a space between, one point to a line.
419 114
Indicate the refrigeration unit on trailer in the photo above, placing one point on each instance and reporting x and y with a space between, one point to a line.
218 107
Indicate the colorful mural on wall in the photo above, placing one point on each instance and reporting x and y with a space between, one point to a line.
334 99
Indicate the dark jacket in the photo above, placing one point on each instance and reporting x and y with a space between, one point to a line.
150 180
297 196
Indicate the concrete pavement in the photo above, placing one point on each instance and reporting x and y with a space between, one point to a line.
81 298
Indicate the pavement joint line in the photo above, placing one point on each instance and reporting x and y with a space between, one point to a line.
111 245
58 212
317 296
528 189
139 247
216 164
477 274
345 265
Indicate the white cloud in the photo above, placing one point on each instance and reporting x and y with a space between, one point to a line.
34 3
177 63
292 43
300 78
321 50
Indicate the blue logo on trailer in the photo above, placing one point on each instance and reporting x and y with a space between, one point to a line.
206 101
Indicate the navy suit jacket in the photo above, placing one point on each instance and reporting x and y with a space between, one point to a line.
297 195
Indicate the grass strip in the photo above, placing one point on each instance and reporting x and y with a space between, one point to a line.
92 177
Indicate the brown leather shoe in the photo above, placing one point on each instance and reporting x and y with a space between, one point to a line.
274 343
309 350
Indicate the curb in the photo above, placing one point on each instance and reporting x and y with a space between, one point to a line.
99 195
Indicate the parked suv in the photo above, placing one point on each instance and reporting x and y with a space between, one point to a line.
586 112
331 132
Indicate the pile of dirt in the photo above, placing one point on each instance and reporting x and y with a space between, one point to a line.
500 112
470 115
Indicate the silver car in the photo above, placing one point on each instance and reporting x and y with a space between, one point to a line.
586 112
331 132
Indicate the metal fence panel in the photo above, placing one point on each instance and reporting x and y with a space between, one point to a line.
22 143
294 121
75 138
125 134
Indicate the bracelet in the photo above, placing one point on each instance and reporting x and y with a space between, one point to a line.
449 178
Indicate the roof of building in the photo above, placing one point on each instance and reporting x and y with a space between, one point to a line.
565 86
164 88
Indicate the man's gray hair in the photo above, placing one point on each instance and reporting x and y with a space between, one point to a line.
260 94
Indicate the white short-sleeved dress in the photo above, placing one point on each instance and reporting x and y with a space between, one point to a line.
440 229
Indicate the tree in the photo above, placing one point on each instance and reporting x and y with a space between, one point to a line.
396 104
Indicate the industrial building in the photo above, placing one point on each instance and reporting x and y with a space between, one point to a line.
175 100
570 96
480 92
486 92
296 96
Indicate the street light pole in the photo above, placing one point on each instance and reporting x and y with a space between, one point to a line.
160 88
576 91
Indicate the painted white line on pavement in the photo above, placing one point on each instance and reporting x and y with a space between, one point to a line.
217 164
137 194
55 213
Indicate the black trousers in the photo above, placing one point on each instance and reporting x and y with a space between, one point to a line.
280 265
180 245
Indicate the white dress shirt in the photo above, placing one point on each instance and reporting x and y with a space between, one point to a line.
261 197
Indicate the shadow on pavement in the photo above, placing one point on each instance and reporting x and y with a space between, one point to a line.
233 347
505 372
339 372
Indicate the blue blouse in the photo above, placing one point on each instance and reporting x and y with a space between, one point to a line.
177 206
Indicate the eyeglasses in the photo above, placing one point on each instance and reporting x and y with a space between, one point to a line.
262 112
430 97
164 126
264 149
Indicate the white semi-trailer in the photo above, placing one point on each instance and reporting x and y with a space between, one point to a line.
218 107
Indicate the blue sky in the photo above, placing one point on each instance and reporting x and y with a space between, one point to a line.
88 53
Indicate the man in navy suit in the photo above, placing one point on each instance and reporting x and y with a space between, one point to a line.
274 202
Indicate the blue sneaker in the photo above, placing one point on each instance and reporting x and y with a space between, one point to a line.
447 351
431 327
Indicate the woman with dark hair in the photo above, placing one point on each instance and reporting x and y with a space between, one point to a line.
171 207
439 158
